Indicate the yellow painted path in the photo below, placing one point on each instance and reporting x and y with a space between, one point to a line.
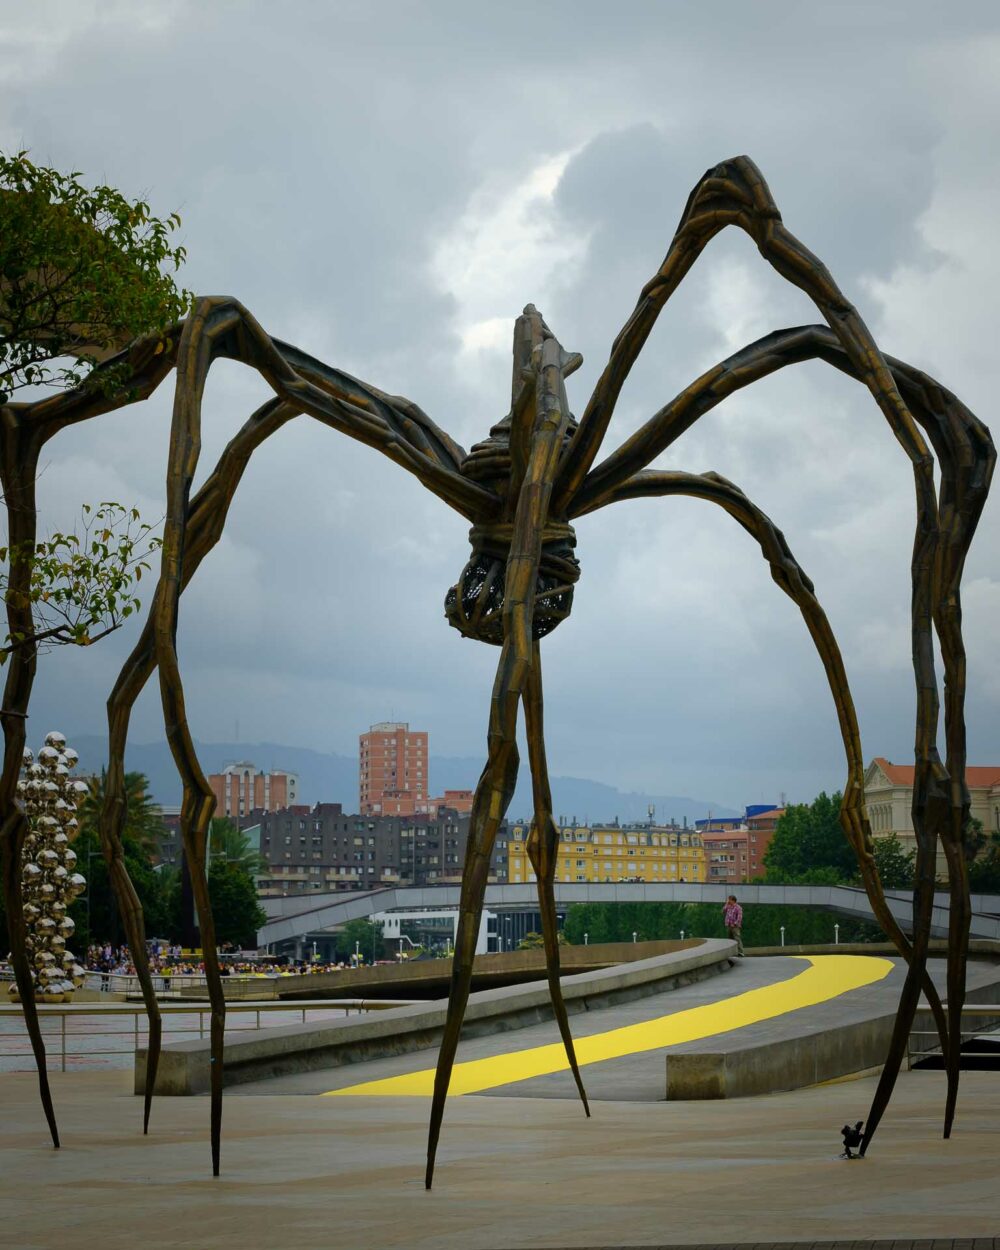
824 977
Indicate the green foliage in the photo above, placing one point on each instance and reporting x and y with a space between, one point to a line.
235 906
984 872
364 934
616 922
81 276
228 844
82 585
807 838
143 819
96 912
895 866
533 941
975 840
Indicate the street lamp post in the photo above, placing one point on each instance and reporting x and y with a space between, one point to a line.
836 935
782 935
357 954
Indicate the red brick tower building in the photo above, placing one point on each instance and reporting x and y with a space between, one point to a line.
392 778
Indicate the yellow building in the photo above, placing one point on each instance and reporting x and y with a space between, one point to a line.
614 853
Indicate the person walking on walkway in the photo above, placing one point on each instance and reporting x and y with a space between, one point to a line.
732 918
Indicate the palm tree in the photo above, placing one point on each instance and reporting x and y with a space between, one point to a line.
143 820
228 844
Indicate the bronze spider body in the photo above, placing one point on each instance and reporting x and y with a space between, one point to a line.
521 490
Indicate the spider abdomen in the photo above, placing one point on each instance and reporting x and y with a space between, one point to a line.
475 604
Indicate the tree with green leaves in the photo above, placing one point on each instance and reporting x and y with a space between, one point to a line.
143 821
362 935
81 586
808 837
88 313
83 272
984 870
96 913
896 867
229 844
762 926
235 905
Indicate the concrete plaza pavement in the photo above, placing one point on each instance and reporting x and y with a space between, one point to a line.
301 1172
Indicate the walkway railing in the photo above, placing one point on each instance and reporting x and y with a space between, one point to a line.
68 1035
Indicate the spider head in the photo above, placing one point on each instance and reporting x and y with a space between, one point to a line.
475 604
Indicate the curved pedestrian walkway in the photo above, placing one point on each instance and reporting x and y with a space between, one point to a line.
815 980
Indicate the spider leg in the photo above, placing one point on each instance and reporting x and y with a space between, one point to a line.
111 822
206 323
735 193
26 429
208 511
967 459
12 835
496 785
543 852
397 428
147 362
789 576
19 450
214 326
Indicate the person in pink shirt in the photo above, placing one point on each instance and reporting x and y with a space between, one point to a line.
732 918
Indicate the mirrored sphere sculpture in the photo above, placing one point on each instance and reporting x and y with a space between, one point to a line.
48 876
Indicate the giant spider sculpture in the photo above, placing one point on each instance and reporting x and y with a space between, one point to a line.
521 489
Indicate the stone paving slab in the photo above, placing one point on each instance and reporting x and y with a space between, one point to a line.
941 1243
513 1173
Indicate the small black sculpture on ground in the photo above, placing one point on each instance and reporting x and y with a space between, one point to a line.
853 1137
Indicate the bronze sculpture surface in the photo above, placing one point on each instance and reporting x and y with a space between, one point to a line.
521 489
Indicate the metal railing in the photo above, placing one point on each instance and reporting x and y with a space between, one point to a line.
60 1040
988 1012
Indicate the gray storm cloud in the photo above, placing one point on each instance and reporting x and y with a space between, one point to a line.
386 186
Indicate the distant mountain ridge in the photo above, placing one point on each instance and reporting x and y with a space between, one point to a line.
331 778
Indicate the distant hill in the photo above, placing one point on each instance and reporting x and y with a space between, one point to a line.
327 777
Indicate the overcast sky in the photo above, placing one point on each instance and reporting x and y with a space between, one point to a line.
386 185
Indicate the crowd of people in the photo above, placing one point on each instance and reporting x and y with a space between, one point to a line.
173 960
